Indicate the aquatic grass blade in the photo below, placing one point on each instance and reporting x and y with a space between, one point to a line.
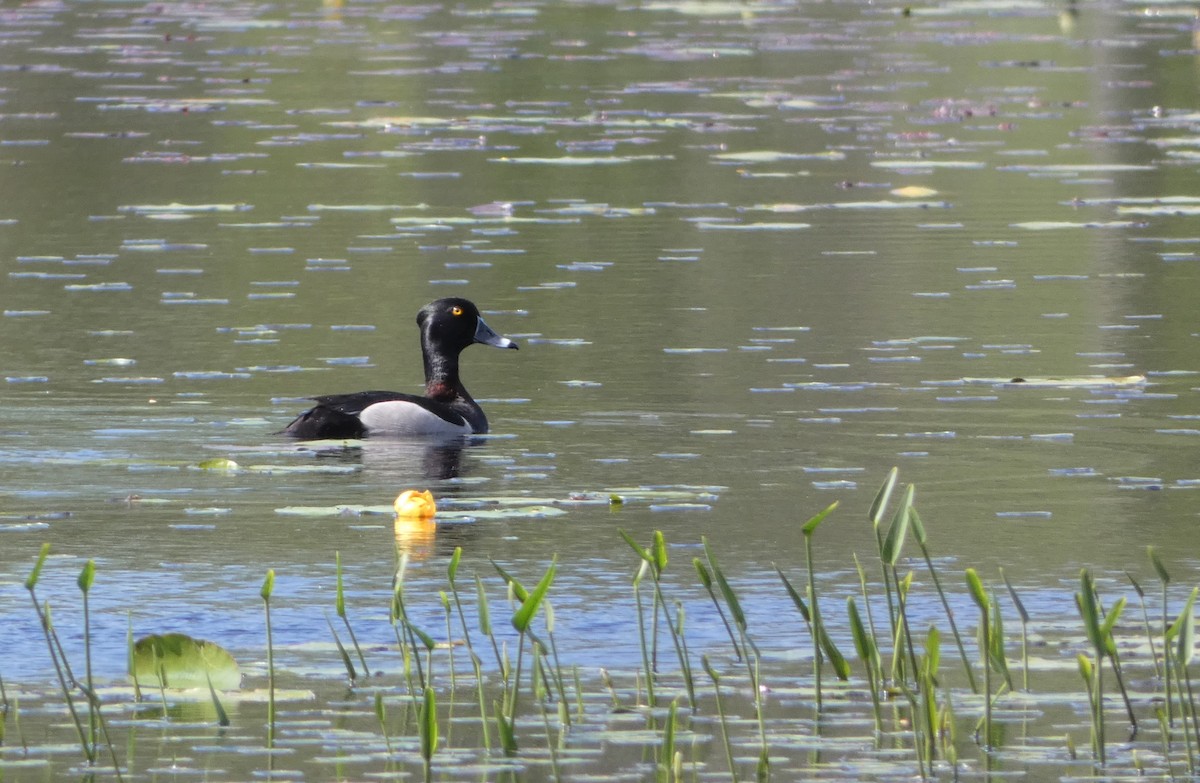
840 666
32 580
731 600
381 717
933 650
894 543
659 552
810 527
339 601
268 587
1163 575
1024 615
517 588
531 601
796 598
883 496
1187 639
504 728
427 728
222 716
975 586
1141 594
707 581
1089 611
667 748
350 672
1106 627
643 553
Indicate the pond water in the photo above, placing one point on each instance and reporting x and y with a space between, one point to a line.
756 254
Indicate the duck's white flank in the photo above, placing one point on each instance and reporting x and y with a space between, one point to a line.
398 417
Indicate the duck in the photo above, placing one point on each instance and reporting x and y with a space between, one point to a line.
446 409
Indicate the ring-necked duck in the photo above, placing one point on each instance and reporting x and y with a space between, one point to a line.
447 327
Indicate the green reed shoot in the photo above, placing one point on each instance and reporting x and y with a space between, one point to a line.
551 745
405 636
87 577
948 733
927 713
707 581
381 716
889 553
428 728
868 653
683 652
647 653
980 596
731 599
564 709
449 617
59 665
1024 615
1164 578
654 560
875 515
1141 594
521 621
137 688
903 640
516 592
666 753
997 653
739 619
822 638
428 643
919 533
1100 638
716 680
1185 651
222 716
340 604
807 530
268 587
1183 633
476 663
452 573
483 610
862 584
504 727
345 655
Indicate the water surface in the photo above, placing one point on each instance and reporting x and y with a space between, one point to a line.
755 254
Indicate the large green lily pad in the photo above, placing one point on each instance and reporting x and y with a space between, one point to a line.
176 660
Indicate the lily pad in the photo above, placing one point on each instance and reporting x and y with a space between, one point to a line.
176 660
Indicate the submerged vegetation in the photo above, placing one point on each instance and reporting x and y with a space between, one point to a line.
501 697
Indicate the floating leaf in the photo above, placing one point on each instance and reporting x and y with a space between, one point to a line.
219 464
176 660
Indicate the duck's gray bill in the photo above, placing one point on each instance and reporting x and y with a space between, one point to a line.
485 335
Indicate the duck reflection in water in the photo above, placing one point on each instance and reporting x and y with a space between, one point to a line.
405 462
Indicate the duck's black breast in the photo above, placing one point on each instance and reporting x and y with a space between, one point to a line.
347 416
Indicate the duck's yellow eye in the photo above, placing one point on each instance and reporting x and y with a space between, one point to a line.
456 310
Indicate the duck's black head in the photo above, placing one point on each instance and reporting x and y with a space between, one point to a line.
450 325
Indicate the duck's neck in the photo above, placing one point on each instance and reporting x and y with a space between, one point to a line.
441 378
443 384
